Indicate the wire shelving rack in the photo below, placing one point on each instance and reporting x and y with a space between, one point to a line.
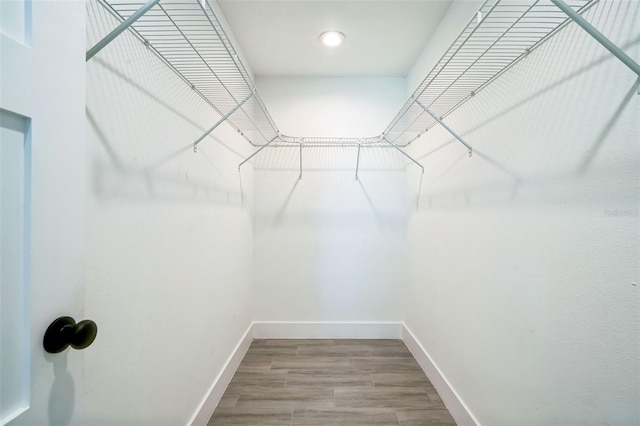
189 38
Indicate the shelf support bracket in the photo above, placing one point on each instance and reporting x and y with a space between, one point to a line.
358 162
442 123
608 44
120 28
300 175
260 149
403 153
219 122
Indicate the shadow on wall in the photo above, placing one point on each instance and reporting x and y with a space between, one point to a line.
380 219
116 179
506 191
156 99
278 216
608 127
553 130
328 191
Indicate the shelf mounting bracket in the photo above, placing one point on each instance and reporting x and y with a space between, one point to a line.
403 153
600 38
358 162
435 117
300 175
259 149
119 29
219 122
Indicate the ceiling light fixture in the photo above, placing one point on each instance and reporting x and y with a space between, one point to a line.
332 38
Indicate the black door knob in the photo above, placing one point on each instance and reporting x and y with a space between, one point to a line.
64 332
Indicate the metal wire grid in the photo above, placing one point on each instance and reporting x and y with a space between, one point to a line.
502 33
284 140
189 38
187 35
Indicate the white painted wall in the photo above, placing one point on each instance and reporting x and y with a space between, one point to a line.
524 260
347 107
328 248
169 238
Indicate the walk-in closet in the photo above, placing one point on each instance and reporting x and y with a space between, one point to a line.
320 212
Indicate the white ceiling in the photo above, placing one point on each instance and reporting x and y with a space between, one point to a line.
383 37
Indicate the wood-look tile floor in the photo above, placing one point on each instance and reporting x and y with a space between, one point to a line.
330 382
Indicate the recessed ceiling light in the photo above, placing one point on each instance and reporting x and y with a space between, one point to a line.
332 38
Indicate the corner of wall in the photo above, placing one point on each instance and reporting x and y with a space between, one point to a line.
454 403
210 401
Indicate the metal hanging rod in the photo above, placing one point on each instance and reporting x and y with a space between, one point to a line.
439 121
219 122
260 149
404 153
120 28
300 175
610 46
358 162
392 145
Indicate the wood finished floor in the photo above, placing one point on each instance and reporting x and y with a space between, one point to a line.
330 382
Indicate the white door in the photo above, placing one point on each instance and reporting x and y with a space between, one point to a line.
42 108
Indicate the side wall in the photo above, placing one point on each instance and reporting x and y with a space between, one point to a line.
329 248
523 260
169 238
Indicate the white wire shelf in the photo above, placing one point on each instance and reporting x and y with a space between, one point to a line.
502 33
190 40
284 140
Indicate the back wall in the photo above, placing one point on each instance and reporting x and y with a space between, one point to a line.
327 247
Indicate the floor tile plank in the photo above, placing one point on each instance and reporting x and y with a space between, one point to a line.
333 350
384 397
318 363
425 417
328 378
400 379
350 417
378 343
273 350
390 351
252 415
384 364
269 378
294 342
295 396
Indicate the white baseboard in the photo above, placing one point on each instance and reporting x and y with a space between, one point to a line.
214 394
454 404
327 330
